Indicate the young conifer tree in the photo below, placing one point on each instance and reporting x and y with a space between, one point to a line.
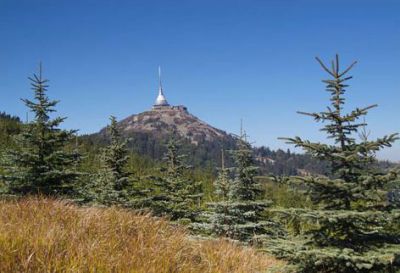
223 181
178 196
113 185
40 162
352 229
239 214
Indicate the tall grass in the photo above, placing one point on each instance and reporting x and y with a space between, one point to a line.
44 235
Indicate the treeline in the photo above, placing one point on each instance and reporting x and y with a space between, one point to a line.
206 154
9 126
282 162
346 221
148 151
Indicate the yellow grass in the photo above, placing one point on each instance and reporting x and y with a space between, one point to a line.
43 235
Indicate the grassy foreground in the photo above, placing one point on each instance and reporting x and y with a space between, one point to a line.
43 235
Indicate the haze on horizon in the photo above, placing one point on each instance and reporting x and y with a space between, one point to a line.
224 60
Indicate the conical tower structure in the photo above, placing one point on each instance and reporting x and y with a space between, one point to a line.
161 101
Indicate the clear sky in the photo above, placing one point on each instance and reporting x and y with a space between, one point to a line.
224 59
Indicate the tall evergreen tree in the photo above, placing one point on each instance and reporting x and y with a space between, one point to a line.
40 163
352 229
239 216
178 196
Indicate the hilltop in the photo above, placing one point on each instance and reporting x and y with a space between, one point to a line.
175 119
148 132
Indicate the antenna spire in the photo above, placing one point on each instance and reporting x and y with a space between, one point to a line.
159 80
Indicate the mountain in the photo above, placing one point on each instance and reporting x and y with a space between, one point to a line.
149 131
176 119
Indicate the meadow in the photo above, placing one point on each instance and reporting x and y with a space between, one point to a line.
39 234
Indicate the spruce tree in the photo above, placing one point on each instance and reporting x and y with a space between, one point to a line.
40 162
223 181
178 196
112 185
353 229
239 215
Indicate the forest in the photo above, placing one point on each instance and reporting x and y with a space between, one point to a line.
333 208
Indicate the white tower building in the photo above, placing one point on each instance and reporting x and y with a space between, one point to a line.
161 101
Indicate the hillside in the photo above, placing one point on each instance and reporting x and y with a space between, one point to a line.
175 119
149 131
43 235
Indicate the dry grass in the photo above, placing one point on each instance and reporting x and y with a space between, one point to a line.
42 235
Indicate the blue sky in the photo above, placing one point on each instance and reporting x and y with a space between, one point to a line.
224 60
